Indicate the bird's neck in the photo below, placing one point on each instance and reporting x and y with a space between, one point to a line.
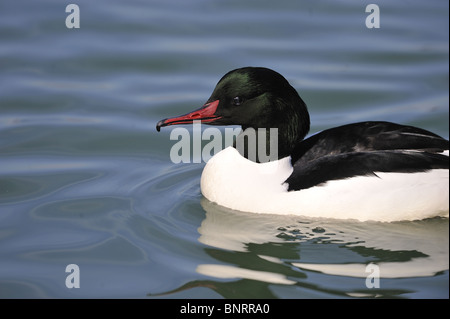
268 144
280 132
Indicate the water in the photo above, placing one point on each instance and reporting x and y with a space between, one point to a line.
85 178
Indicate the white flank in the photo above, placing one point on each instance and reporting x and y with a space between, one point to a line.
232 181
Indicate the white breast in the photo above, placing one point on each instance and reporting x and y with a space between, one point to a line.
232 181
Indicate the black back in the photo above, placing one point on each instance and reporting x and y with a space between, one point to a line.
362 149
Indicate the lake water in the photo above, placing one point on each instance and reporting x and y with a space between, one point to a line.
85 178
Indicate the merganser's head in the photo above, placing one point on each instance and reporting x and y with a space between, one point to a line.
253 97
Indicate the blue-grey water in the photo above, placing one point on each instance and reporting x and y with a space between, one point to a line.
85 178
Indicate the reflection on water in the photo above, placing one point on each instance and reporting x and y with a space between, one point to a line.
277 250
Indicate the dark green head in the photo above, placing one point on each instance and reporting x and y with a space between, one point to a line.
254 97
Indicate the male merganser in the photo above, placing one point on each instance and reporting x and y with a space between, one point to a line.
366 171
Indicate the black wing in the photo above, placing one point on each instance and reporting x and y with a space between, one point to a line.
365 148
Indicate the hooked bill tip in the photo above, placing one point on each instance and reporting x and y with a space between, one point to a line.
159 125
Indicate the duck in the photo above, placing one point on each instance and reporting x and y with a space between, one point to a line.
365 171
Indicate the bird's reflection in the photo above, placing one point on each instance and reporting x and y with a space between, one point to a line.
268 250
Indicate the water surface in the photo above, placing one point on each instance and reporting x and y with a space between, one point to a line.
85 178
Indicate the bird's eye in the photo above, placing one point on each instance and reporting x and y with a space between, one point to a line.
237 101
